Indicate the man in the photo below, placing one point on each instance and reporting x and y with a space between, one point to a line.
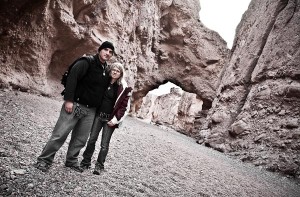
85 88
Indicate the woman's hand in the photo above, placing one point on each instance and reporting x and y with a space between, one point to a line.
69 106
109 123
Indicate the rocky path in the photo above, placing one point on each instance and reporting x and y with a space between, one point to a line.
144 160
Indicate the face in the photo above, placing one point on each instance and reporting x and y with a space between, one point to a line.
105 54
115 73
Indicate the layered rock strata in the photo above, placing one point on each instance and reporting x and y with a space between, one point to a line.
157 41
250 107
256 113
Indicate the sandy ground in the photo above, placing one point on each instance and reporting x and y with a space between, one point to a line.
144 160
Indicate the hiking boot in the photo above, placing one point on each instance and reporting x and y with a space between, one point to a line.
76 168
98 169
42 166
85 166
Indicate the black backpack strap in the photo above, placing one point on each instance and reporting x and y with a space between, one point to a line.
90 59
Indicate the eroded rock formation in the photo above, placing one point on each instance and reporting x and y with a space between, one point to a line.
177 110
157 41
252 104
256 113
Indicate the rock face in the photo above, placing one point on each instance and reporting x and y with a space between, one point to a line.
177 110
157 41
250 106
256 113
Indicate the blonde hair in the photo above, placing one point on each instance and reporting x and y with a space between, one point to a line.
120 67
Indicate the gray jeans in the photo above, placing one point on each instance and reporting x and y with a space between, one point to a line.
107 132
80 122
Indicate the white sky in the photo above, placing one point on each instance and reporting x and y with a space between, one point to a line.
222 16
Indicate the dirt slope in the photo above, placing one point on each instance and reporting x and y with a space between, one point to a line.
144 160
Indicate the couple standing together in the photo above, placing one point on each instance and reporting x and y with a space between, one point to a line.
96 97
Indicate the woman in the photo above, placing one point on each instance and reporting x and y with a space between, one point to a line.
115 106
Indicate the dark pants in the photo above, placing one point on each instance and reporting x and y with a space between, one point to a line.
80 121
107 132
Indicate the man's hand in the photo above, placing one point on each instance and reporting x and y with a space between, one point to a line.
69 106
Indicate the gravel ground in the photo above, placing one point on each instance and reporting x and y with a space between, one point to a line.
144 160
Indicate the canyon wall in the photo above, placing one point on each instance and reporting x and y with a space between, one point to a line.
250 96
157 41
256 113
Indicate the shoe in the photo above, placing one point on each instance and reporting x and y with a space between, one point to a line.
76 168
98 169
85 166
42 166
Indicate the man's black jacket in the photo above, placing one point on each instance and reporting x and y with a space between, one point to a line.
87 83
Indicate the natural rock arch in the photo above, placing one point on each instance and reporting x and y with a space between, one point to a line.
157 41
160 41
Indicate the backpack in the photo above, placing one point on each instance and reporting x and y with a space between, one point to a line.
64 77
